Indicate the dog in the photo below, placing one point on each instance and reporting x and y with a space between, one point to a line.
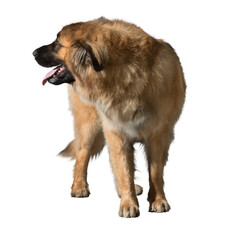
124 87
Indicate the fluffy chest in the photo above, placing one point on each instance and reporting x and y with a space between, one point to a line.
127 116
131 127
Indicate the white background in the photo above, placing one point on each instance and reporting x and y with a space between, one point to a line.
202 175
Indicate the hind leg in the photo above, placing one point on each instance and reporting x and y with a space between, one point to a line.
80 185
138 189
85 149
157 152
89 141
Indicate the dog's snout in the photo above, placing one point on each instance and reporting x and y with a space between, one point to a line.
35 53
45 57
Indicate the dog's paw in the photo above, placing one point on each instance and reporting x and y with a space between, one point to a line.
159 205
129 210
138 189
80 192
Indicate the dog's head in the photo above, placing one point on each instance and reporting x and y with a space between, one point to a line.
72 50
98 53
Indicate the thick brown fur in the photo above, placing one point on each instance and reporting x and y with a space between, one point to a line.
129 88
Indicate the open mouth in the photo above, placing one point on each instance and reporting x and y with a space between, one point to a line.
58 75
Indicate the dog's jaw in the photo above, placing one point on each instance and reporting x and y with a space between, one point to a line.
58 75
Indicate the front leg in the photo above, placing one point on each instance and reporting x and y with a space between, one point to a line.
122 161
157 152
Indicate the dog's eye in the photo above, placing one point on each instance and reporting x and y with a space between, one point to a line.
56 43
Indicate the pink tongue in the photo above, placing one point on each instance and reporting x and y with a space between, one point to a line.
50 74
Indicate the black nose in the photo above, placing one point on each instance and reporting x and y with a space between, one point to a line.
35 53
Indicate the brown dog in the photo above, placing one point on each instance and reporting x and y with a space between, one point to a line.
126 87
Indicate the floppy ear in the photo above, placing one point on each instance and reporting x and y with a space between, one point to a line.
83 53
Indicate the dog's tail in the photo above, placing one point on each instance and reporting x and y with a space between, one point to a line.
68 151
